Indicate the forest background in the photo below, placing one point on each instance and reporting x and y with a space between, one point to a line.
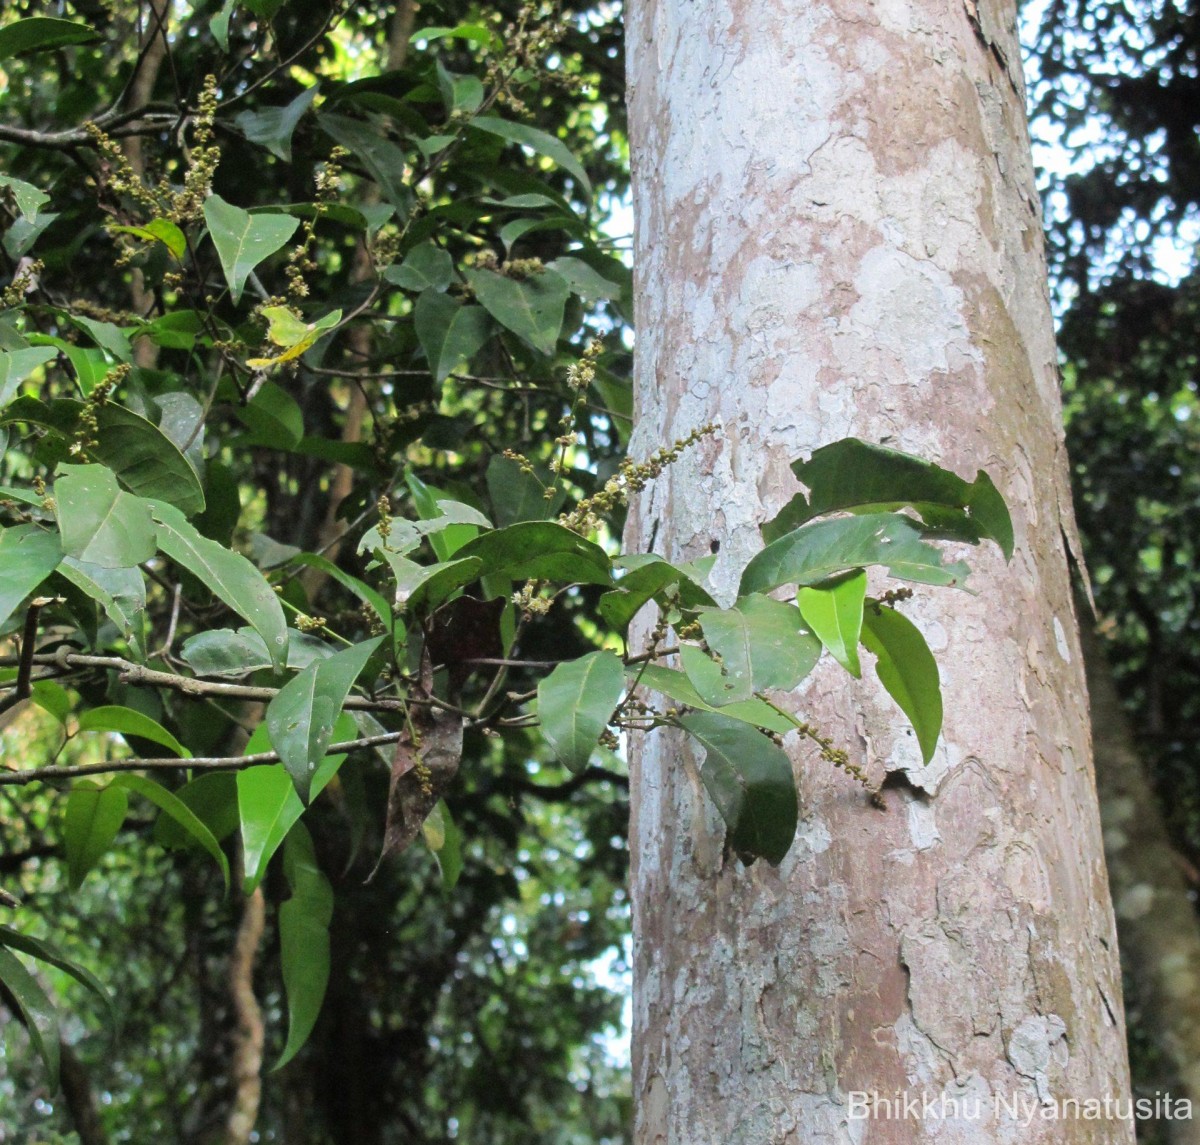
473 989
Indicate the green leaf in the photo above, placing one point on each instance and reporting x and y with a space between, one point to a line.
158 231
92 819
29 199
427 586
144 459
364 592
229 575
585 280
107 335
44 952
761 643
120 592
819 551
750 781
128 722
28 555
678 687
99 523
651 579
52 698
219 24
36 1009
425 267
444 839
212 798
41 34
711 683
171 805
17 365
531 308
89 362
301 717
273 127
907 670
449 332
267 803
857 476
304 940
23 233
516 495
835 614
575 703
540 550
386 163
274 417
243 240
223 652
537 141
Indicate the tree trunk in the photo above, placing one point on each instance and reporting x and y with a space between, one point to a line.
1156 921
837 234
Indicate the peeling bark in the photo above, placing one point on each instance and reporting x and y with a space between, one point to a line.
837 233
1156 921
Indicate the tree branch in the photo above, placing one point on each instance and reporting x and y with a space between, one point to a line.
173 763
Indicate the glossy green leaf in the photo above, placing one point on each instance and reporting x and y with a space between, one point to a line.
907 670
267 803
27 556
91 821
301 717
835 613
37 1011
584 280
100 523
858 476
44 952
449 332
761 642
128 722
424 587
819 551
17 365
677 686
541 550
532 308
229 575
120 592
169 804
304 939
651 579
575 703
425 267
537 141
750 780
711 683
273 127
41 34
444 839
158 231
244 240
144 459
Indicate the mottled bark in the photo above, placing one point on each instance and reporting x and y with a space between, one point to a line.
246 1064
837 233
1156 922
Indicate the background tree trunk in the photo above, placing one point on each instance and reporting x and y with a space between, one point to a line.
1156 920
838 234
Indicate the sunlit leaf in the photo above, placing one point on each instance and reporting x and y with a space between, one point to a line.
835 613
908 671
